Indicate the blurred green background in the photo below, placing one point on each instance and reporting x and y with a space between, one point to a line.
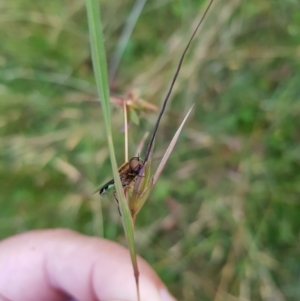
223 222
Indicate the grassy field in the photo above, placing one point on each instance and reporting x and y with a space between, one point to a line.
223 222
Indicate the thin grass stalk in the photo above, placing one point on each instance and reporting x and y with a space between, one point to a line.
125 130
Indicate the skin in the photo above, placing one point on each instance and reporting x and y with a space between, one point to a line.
59 264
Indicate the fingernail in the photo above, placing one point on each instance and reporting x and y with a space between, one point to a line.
166 296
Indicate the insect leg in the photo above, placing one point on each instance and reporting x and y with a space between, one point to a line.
115 195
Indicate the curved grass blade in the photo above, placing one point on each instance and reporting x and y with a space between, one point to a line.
173 82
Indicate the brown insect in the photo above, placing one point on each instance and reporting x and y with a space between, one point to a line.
128 172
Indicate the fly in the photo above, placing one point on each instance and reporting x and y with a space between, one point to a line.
128 172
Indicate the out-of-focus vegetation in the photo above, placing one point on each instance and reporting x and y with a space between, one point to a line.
223 222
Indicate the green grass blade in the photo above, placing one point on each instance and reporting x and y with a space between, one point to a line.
100 70
99 59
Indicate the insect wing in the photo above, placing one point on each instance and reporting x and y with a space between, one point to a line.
106 187
128 171
123 170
